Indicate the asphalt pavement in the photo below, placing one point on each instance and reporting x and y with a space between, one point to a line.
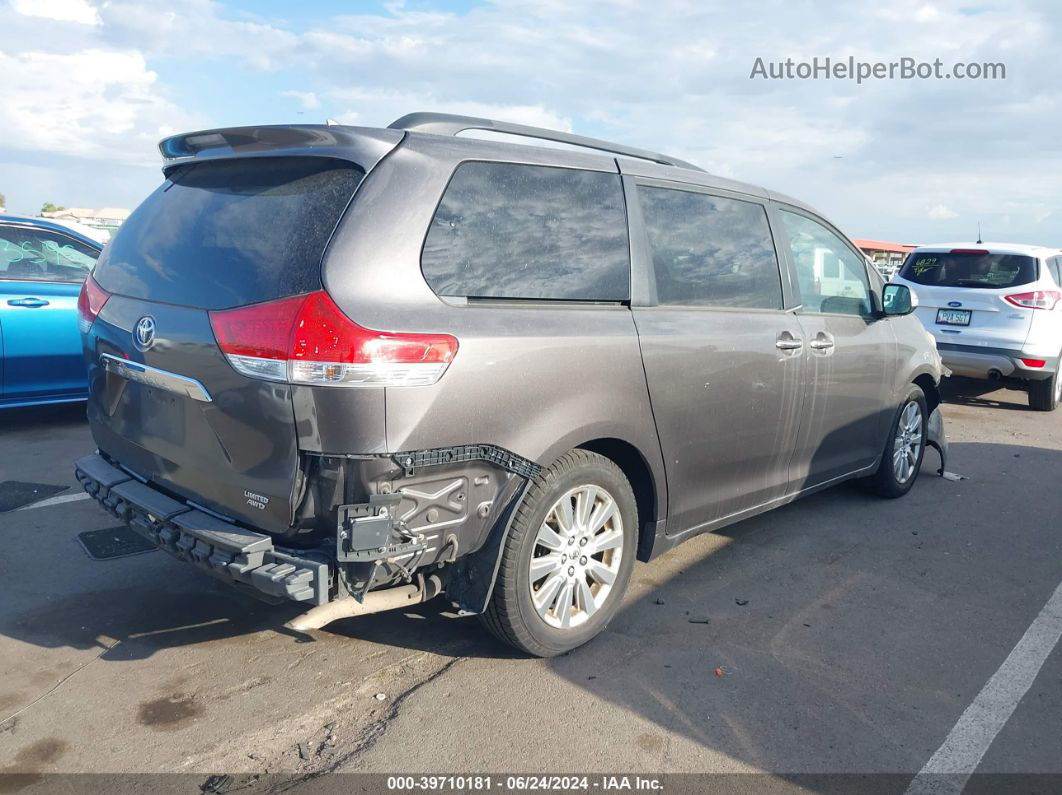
842 634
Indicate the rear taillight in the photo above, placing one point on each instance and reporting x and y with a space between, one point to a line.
1038 299
89 303
308 340
1034 362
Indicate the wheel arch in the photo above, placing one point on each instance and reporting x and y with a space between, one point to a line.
639 474
929 387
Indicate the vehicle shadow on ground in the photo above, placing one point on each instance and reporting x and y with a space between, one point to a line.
829 631
62 415
971 392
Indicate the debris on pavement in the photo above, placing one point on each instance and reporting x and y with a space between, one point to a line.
304 751
380 696
953 476
741 602
215 784
719 671
699 620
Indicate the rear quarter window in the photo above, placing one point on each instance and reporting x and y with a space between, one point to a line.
506 230
227 233
975 270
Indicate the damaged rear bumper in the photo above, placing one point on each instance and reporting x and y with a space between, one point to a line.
936 437
236 555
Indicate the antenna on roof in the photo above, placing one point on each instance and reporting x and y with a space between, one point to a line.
979 241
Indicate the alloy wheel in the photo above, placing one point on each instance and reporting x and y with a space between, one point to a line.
907 446
576 557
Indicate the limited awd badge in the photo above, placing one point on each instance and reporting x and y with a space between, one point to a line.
144 333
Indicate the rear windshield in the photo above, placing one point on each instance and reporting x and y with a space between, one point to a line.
228 233
989 271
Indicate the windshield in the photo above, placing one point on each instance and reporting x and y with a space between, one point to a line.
973 269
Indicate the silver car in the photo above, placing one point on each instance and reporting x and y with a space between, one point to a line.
356 368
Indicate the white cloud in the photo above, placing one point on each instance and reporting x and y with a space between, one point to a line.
94 102
938 212
62 10
307 99
898 159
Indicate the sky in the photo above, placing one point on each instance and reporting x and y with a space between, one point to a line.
88 87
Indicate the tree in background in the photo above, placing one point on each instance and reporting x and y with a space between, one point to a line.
3 200
48 207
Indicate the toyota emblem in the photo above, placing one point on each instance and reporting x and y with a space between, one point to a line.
144 333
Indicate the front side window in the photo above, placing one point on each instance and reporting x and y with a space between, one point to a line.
710 250
506 230
42 255
832 278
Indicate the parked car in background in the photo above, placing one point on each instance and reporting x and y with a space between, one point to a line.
995 310
42 268
355 367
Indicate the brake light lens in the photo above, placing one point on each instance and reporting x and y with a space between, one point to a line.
970 252
1034 362
89 303
308 340
1038 299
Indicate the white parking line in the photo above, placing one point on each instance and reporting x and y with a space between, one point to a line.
55 501
948 770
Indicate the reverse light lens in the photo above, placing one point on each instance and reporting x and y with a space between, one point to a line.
1038 299
89 303
308 340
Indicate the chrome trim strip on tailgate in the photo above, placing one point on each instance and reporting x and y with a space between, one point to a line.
153 376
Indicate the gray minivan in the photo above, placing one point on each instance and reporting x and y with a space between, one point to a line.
355 368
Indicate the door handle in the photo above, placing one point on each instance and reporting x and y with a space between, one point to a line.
823 342
787 342
31 303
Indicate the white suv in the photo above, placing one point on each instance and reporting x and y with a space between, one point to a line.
995 310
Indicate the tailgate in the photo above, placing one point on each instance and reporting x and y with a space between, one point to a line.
993 322
179 416
164 401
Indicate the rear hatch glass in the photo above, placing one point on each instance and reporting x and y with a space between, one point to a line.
216 235
222 234
976 270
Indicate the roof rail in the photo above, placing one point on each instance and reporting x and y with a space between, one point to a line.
449 124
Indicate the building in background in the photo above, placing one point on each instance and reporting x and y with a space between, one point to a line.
887 257
103 221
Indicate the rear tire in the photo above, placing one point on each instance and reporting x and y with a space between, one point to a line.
905 447
1044 395
561 580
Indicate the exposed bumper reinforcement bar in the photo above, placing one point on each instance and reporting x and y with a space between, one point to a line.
231 553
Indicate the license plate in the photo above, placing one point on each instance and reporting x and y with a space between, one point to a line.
953 317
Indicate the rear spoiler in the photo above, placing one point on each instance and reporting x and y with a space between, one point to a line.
364 145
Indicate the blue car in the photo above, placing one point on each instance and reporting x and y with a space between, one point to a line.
42 268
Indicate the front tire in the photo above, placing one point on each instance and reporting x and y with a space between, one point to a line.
904 448
568 557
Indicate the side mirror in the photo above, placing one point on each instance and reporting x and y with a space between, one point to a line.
897 299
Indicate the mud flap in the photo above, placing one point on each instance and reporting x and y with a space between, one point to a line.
472 578
935 437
